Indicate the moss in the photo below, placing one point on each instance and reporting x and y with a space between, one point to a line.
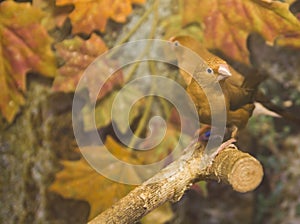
30 150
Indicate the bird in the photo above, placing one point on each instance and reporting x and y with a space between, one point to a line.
239 92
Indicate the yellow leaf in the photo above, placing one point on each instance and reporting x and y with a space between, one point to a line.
229 22
24 46
55 16
78 180
93 15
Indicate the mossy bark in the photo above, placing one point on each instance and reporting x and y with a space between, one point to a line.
30 148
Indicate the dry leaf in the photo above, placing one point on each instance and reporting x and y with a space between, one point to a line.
229 22
24 46
172 26
78 180
78 54
93 15
55 16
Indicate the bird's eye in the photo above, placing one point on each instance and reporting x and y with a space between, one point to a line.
209 70
176 43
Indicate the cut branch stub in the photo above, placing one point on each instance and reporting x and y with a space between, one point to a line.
242 171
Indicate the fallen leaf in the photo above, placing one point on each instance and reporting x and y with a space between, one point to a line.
78 54
78 180
228 23
289 40
24 46
55 16
93 15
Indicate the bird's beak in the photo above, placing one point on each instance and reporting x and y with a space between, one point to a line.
223 72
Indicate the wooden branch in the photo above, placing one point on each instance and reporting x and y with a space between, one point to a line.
240 170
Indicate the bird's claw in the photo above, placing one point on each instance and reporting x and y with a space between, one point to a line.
224 145
233 146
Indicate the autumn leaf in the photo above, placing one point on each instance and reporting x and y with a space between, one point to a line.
55 16
24 46
289 40
103 111
78 54
78 180
172 26
93 15
228 23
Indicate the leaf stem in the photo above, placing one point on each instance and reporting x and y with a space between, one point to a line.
134 29
137 25
146 114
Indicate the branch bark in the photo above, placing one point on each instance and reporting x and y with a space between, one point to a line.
242 171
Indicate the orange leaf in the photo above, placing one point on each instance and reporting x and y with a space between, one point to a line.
55 16
24 46
93 15
78 54
229 22
78 180
291 40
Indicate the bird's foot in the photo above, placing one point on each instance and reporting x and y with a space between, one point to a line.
224 145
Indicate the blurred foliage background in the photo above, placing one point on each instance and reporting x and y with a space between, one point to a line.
46 45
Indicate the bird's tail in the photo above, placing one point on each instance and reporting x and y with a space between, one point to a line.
265 101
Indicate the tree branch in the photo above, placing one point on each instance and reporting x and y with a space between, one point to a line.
240 170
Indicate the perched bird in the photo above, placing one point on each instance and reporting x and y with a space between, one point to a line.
239 92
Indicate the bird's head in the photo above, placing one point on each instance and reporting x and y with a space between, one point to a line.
217 67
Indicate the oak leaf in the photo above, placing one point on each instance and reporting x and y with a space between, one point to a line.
228 23
24 46
93 15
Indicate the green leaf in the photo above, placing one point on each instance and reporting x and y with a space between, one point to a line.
103 115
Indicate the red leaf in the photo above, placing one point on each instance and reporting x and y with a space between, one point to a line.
24 46
78 54
227 23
